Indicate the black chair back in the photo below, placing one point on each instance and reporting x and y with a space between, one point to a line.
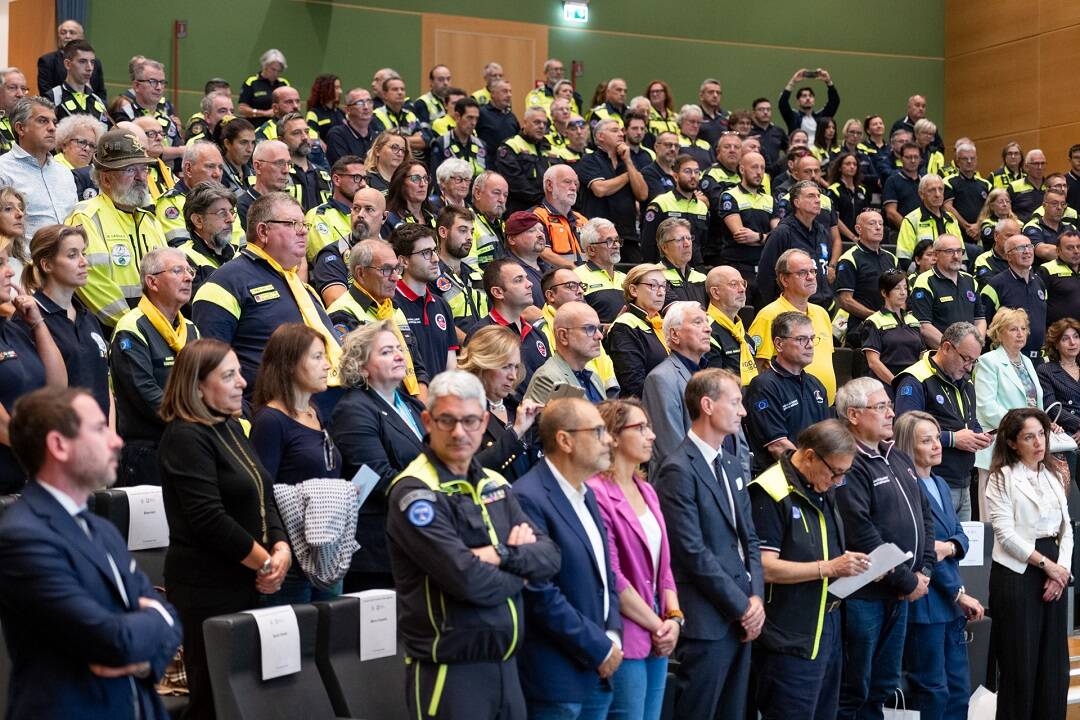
112 504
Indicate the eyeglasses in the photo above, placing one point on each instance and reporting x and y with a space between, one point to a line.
133 170
685 240
737 284
154 83
356 178
426 253
154 134
396 149
952 251
447 423
418 179
878 407
576 124
224 213
641 427
178 271
297 225
88 144
360 103
279 164
387 270
655 287
571 285
807 340
835 474
968 362
610 242
590 329
1024 249
802 274
600 430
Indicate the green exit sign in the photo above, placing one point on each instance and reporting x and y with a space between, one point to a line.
576 12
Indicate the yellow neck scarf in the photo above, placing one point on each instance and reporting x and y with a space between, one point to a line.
308 311
657 322
747 367
385 311
175 337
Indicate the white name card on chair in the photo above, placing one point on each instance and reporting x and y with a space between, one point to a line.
976 534
378 623
279 640
147 525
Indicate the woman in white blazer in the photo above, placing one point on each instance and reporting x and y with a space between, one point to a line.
1031 570
1004 379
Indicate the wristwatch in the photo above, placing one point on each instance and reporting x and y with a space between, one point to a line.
503 552
1042 563
960 592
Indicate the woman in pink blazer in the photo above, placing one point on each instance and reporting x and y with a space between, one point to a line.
641 563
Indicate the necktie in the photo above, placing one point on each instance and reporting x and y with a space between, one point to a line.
82 518
585 378
721 477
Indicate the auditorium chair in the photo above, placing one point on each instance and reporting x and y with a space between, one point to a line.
112 504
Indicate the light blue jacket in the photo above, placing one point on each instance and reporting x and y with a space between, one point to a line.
998 390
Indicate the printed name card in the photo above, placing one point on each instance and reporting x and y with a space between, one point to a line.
147 525
279 640
976 534
378 623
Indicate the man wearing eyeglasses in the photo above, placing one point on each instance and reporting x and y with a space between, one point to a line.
879 503
120 230
562 286
575 343
271 162
144 348
929 220
429 316
211 222
74 95
462 550
602 283
1045 227
12 87
685 203
331 221
1020 287
575 141
1026 193
659 175
355 135
940 384
146 97
730 346
945 294
202 162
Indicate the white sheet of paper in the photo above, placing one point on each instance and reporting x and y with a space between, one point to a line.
378 623
883 559
279 640
976 534
364 481
147 525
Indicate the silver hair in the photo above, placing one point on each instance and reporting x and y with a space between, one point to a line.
688 110
999 226
785 258
263 149
273 55
73 124
356 351
937 241
922 124
966 147
601 126
192 151
856 394
458 384
363 253
927 179
801 187
145 63
676 313
207 103
955 333
24 108
709 81
590 231
4 72
531 110
451 168
481 180
156 261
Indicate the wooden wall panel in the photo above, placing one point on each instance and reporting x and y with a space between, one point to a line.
1054 14
31 34
976 24
1059 83
467 44
990 92
1055 143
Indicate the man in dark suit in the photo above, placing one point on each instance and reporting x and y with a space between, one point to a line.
574 642
714 552
87 633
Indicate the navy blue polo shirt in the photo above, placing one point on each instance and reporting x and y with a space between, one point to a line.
432 323
1007 289
81 344
619 207
330 268
21 371
534 348
902 190
534 275
780 405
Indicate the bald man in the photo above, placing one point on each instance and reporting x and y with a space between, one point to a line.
731 347
576 333
271 161
330 267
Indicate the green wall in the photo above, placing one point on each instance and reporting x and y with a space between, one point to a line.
877 57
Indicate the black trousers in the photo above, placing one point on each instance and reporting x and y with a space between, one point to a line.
465 691
1030 643
713 678
194 605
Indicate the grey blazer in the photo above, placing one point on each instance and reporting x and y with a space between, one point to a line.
662 396
554 372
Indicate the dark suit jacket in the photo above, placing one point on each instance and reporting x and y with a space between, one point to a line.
939 605
368 431
1058 386
566 640
51 72
714 590
62 610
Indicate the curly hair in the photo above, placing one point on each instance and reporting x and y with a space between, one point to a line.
323 93
1055 332
356 351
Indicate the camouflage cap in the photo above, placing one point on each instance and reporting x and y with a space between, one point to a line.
119 149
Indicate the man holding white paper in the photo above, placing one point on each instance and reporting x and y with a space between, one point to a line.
879 503
461 550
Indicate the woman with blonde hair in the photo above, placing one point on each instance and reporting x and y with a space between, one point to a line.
386 154
997 207
13 227
636 341
510 444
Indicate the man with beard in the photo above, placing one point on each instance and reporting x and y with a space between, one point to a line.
311 184
429 315
144 349
561 224
637 134
271 164
330 221
330 269
459 284
601 282
120 231
524 245
68 575
686 202
202 162
210 218
489 194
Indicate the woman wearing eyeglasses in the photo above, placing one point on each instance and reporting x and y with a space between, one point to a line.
636 340
58 267
661 108
386 154
288 433
376 423
77 137
407 199
209 213
997 207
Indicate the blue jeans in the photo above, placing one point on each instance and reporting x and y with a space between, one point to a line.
297 589
638 689
594 707
936 664
796 687
874 632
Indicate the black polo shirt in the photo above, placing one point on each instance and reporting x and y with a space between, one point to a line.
858 271
534 348
342 140
534 275
432 323
257 92
657 180
968 194
1040 232
1007 289
937 300
780 405
988 265
1072 195
895 338
1025 198
82 345
773 525
1062 290
330 268
902 190
620 207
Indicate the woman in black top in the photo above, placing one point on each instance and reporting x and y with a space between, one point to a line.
58 267
227 544
892 341
510 445
1060 375
376 423
407 198
288 434
635 341
848 194
323 111
386 154
236 138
